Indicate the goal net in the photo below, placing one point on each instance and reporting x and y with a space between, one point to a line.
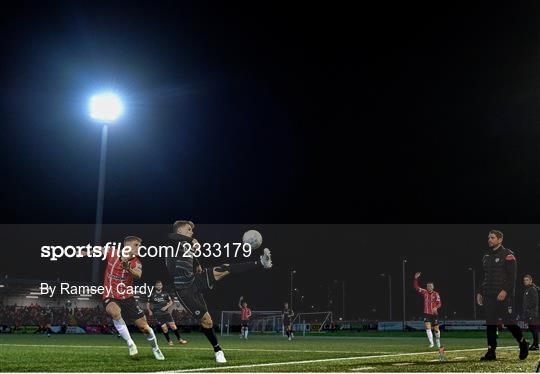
312 322
260 321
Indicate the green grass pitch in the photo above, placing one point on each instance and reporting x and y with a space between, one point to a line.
270 353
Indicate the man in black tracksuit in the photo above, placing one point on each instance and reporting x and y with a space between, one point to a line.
530 309
497 294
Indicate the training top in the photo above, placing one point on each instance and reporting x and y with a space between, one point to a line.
500 268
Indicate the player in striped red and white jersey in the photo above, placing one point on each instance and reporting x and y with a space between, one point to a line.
432 304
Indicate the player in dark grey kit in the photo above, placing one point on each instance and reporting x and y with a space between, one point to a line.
191 280
497 295
158 306
287 321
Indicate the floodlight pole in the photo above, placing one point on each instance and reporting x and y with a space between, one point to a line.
100 200
473 270
404 300
291 293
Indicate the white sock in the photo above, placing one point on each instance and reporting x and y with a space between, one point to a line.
438 338
430 336
120 325
151 337
246 330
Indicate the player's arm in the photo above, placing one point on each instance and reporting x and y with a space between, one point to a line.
511 271
533 302
480 293
168 305
136 271
149 308
88 253
249 313
416 286
240 302
182 238
438 302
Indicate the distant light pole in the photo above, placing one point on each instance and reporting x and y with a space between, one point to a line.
389 294
291 273
404 300
473 270
105 109
343 297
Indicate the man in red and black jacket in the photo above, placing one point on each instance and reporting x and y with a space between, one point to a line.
497 294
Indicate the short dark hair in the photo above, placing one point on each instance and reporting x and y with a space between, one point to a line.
181 223
497 233
528 276
131 238
158 281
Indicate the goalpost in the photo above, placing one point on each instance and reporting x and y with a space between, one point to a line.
262 321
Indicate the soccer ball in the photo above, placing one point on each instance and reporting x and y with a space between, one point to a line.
253 238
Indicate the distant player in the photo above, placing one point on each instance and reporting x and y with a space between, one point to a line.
432 303
158 305
244 317
287 320
119 275
530 309
191 280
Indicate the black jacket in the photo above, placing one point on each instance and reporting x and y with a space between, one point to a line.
500 268
530 302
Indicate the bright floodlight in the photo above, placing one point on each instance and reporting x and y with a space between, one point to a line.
106 107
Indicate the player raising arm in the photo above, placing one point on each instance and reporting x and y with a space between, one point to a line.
432 304
244 318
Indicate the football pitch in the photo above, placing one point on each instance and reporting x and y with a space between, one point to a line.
326 353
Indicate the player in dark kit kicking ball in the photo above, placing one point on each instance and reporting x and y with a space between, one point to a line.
158 305
497 295
191 280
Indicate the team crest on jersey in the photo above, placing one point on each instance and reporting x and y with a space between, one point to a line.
509 310
197 312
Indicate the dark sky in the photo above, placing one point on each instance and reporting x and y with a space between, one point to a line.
272 112
283 113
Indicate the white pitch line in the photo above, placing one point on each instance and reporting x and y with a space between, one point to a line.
189 348
363 368
458 358
403 364
320 360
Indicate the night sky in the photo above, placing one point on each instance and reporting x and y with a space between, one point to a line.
255 114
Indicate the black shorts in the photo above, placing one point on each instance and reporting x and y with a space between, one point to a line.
286 322
498 312
192 298
244 323
163 317
431 318
129 307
